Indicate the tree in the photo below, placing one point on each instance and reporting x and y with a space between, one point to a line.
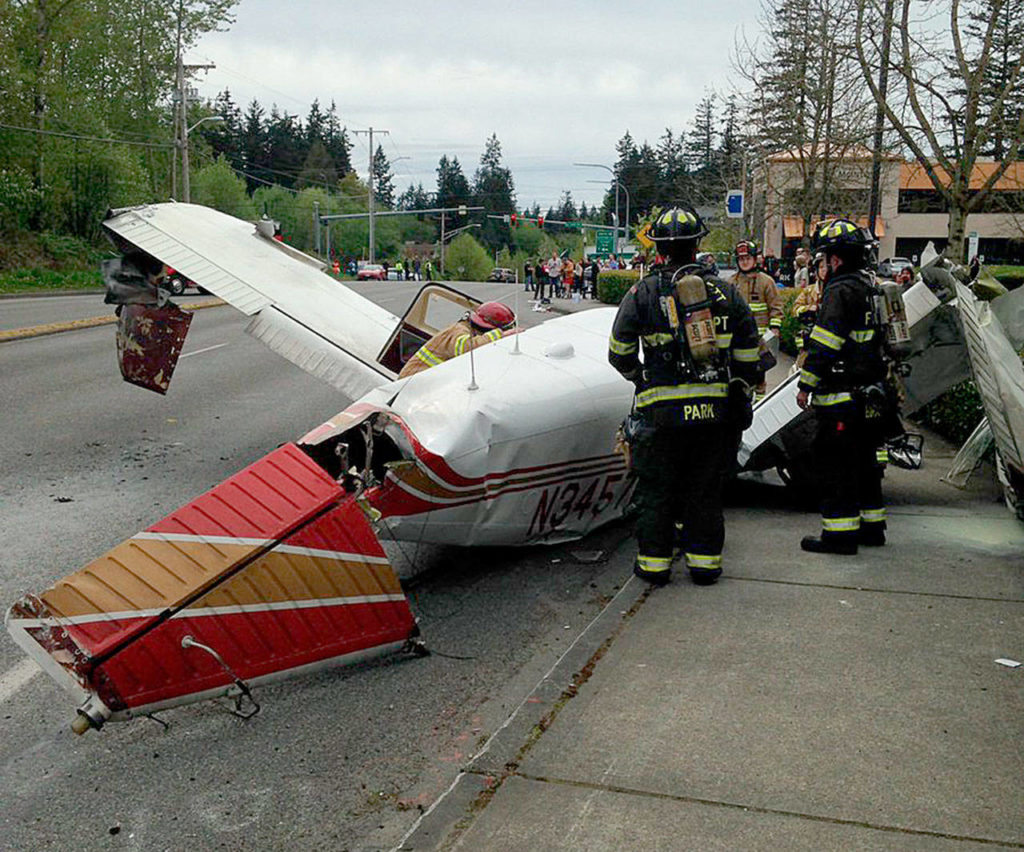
996 77
383 184
493 189
467 260
217 186
945 120
566 208
415 198
808 103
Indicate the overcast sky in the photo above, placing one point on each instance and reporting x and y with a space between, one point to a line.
558 81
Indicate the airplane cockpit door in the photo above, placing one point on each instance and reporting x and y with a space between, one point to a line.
435 307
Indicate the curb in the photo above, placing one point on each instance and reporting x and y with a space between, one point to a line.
484 772
91 322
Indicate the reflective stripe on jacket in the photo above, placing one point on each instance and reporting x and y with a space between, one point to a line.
760 293
844 349
457 339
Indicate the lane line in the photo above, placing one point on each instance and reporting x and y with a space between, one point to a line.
14 679
201 351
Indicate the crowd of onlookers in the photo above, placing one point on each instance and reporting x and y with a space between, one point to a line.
560 277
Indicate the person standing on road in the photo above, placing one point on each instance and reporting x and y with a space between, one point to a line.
760 293
806 305
528 276
555 274
540 276
700 362
843 381
489 322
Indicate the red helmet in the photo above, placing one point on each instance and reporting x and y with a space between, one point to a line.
748 247
492 315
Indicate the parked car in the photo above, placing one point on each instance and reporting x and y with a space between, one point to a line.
889 267
176 282
371 272
501 275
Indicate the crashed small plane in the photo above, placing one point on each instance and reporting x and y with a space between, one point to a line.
279 569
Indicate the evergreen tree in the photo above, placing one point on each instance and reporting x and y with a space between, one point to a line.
452 187
494 190
566 208
253 146
1006 56
318 168
383 184
336 141
286 147
415 198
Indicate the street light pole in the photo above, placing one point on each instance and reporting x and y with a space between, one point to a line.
186 184
617 185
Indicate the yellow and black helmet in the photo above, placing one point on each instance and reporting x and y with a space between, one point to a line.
678 223
840 232
843 238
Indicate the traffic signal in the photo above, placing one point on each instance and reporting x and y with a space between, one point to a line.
513 216
540 221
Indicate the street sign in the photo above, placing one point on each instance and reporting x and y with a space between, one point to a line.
643 236
972 246
734 204
604 243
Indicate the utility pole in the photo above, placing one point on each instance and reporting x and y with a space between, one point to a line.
371 199
442 243
181 116
876 154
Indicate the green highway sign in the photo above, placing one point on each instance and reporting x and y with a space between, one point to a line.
604 242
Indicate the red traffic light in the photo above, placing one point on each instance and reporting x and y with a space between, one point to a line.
540 221
513 219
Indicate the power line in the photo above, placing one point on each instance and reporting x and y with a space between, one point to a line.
86 138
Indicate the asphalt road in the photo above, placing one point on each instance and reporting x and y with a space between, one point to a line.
341 760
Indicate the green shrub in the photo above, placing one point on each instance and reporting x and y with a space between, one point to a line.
790 324
613 284
955 414
30 280
1010 277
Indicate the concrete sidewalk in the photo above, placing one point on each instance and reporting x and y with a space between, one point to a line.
803 702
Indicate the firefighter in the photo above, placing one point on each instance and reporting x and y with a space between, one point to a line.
843 381
489 322
693 387
759 291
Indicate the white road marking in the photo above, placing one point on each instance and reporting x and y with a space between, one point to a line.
14 679
201 351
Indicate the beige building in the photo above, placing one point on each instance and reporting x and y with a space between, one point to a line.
912 213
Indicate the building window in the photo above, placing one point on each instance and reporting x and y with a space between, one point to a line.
931 201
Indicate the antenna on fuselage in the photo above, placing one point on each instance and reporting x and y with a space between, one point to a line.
515 349
472 369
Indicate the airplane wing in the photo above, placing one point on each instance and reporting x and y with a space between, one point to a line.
315 322
999 378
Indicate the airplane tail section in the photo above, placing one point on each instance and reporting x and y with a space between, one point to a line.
274 571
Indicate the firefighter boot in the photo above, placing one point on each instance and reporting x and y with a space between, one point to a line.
871 535
705 569
655 570
844 545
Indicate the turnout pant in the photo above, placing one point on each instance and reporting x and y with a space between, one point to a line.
680 477
850 469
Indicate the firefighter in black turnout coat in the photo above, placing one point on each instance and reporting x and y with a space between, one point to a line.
843 380
693 388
